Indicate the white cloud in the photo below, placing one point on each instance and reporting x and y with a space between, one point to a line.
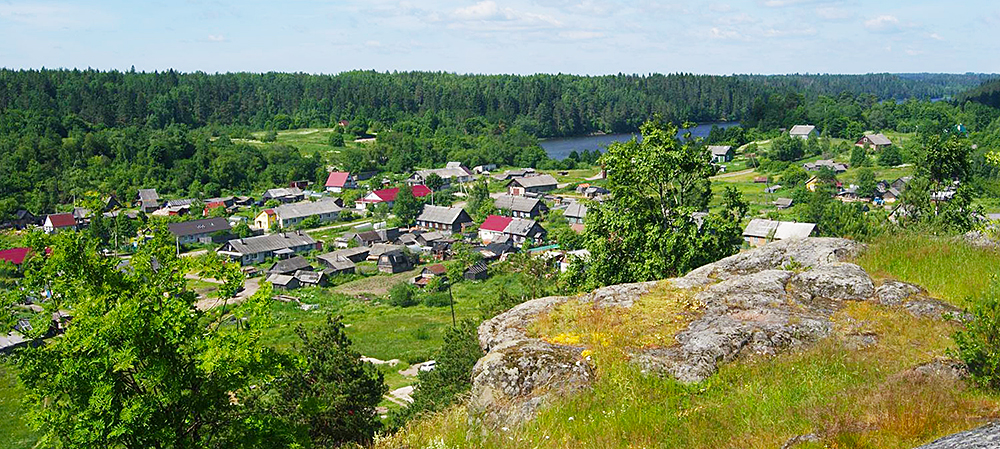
216 38
737 19
724 34
51 16
935 36
789 32
833 13
580 35
882 23
488 16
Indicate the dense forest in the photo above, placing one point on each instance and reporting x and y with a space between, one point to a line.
66 134
542 105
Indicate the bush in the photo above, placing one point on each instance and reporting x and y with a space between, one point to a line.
403 295
979 343
436 299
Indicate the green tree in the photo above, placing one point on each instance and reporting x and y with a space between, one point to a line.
793 176
403 294
336 140
890 157
433 182
242 230
979 342
647 231
331 394
859 157
866 182
137 367
787 149
406 207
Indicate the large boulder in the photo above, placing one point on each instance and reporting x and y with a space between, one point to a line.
986 437
762 301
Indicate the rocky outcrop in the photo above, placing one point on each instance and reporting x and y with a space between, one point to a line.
762 301
982 438
520 373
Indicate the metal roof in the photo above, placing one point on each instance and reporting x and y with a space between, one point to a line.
516 203
283 192
520 226
801 130
719 150
289 265
194 227
272 242
878 139
535 181
307 209
760 227
148 195
445 173
576 210
442 214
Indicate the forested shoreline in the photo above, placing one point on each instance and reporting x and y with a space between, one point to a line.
65 134
542 105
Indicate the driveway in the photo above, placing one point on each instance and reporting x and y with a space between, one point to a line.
250 288
733 174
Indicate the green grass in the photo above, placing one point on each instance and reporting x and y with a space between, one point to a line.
847 397
14 431
411 334
949 269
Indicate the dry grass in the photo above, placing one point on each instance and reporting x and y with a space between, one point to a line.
652 321
849 396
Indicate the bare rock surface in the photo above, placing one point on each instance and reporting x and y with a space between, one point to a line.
984 437
762 301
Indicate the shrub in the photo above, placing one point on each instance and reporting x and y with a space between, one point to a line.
979 343
403 295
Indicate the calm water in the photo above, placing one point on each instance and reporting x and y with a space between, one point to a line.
562 147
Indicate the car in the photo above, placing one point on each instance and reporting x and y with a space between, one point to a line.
428 366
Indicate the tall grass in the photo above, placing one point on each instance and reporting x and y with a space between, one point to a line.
844 395
14 431
948 268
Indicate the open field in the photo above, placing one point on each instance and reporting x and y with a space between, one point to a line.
14 431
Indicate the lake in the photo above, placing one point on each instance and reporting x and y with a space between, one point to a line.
561 147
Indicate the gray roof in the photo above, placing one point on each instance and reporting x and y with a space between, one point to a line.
307 209
520 227
516 203
719 150
339 263
381 248
280 279
148 195
878 139
783 202
432 236
283 192
181 202
576 210
346 253
442 214
289 265
760 227
309 277
272 242
801 130
536 181
445 173
195 227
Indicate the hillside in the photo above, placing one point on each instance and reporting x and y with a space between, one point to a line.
789 345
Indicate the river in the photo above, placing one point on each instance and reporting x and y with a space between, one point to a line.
561 147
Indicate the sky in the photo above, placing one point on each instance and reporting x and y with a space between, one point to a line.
586 37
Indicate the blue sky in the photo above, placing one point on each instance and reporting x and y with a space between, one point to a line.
497 36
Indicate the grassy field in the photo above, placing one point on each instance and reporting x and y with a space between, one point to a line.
845 396
14 431
947 268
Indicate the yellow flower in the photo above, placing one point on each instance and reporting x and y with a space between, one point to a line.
586 353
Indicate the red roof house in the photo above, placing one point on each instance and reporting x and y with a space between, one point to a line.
55 222
496 223
337 181
389 195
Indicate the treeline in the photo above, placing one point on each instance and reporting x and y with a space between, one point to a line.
541 105
988 94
